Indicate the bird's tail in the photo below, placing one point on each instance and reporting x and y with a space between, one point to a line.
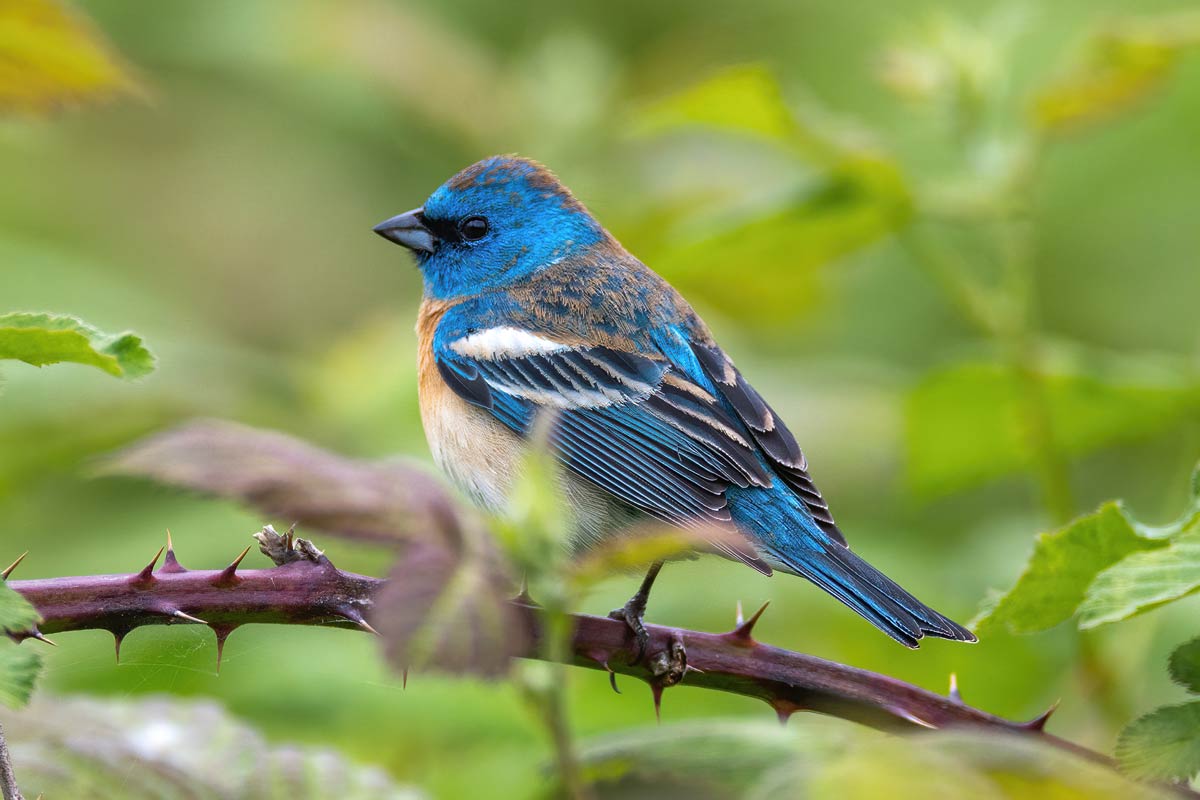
875 596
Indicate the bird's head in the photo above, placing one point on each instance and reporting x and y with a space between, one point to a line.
491 225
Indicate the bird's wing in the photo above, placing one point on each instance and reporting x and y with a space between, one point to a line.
773 438
631 423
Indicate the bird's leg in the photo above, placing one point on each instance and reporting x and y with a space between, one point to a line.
633 611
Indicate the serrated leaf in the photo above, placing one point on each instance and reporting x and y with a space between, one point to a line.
1164 744
159 748
1143 581
1121 65
1184 665
1091 406
50 56
41 339
16 614
1063 565
19 670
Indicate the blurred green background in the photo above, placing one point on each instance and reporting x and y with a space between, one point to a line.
225 215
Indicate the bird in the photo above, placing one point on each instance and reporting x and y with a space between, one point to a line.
532 310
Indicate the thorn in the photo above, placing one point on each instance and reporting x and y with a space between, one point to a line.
222 632
612 678
657 690
404 678
690 668
228 575
1038 723
908 715
187 617
9 569
147 573
954 694
744 629
784 710
36 634
170 563
523 596
740 618
118 638
353 615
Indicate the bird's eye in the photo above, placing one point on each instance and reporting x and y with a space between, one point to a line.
473 228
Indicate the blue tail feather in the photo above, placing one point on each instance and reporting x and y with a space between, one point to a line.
787 536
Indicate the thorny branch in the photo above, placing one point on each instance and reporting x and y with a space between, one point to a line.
305 588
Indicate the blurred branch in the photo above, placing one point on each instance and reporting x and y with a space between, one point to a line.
305 588
8 780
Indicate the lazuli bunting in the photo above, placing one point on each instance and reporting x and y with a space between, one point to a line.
530 305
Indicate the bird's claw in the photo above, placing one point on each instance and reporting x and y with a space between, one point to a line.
631 614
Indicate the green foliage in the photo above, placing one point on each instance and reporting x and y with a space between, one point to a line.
1184 665
41 339
849 195
1144 581
1164 744
1063 566
19 667
1102 567
19 671
982 403
171 748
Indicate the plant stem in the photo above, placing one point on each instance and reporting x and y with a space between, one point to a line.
8 780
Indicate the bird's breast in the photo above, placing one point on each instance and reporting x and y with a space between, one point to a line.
476 451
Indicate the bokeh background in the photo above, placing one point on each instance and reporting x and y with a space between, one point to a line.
224 212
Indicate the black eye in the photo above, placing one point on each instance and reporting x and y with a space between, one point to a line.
473 228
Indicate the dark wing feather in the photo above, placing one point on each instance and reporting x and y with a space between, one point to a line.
659 443
772 436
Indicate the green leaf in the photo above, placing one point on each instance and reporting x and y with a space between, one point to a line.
1120 66
16 614
1184 665
1142 582
1164 744
964 422
41 339
846 207
50 55
744 99
19 670
1063 565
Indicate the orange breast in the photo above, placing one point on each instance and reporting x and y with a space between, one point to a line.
475 450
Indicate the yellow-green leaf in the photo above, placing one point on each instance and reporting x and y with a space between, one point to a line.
744 99
1121 65
51 55
41 339
1143 581
1184 665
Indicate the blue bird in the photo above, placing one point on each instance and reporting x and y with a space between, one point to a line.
530 306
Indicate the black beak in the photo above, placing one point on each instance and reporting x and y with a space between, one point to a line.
408 230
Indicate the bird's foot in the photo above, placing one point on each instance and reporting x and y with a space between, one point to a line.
632 614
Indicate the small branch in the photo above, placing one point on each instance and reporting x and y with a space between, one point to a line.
8 780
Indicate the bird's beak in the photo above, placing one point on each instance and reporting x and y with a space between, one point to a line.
408 230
